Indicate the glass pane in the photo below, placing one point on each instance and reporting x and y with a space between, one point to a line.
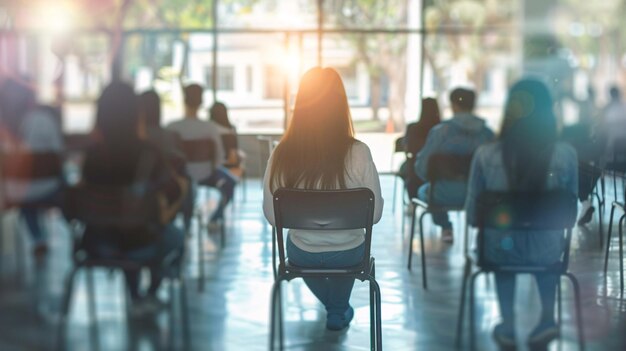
388 14
170 14
279 14
381 76
252 73
486 63
87 71
471 14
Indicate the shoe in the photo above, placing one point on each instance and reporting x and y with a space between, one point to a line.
587 214
337 321
447 236
543 333
504 336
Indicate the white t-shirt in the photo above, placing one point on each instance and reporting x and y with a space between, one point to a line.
360 173
195 129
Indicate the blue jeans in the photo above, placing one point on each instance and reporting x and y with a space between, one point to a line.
334 293
224 182
446 194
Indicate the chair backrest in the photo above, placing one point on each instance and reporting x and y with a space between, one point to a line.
449 167
526 211
31 166
111 206
199 150
549 210
324 210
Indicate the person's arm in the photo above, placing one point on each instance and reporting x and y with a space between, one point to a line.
268 197
475 186
421 159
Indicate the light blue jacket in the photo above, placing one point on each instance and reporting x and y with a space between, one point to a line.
488 174
461 135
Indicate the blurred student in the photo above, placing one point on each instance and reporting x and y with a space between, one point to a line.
319 151
31 128
460 135
119 158
526 157
414 141
150 126
203 173
233 161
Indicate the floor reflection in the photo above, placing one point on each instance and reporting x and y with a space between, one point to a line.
232 311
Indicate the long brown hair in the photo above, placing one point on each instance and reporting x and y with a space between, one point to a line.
313 150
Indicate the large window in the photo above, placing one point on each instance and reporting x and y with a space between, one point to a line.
389 53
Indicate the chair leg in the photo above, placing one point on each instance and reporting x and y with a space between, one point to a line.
600 226
579 315
275 317
412 236
621 255
378 320
200 253
274 269
472 310
91 296
559 305
184 312
608 242
65 308
459 322
423 252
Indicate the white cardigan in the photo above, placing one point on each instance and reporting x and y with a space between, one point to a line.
360 172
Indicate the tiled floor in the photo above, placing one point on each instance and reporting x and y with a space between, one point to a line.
233 310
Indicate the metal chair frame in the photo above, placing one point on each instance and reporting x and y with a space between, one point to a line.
552 210
325 210
111 215
441 167
618 170
202 150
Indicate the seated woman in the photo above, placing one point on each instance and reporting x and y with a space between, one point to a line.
120 158
234 157
526 157
319 151
414 139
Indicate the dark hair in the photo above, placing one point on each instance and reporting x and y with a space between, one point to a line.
615 92
528 134
430 115
219 114
150 107
193 95
463 98
312 152
117 115
16 99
